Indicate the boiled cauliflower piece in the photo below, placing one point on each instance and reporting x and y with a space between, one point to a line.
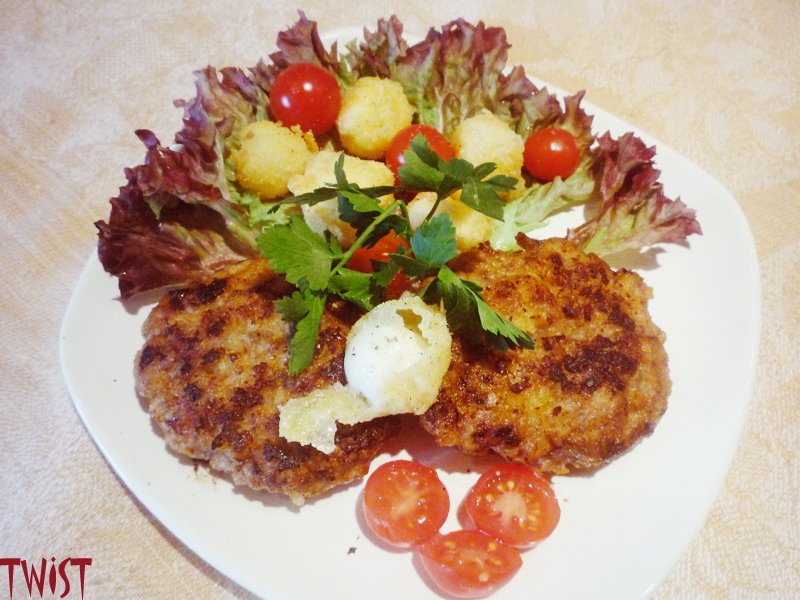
311 419
472 227
397 355
319 171
395 359
373 111
269 155
487 138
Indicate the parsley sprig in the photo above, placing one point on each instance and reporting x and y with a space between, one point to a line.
317 265
424 170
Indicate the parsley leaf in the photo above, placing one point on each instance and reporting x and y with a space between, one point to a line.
424 170
465 309
483 195
354 286
294 249
361 208
305 310
420 170
432 245
292 308
384 274
434 241
355 210
317 265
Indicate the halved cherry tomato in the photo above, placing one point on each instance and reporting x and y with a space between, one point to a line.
405 503
363 258
469 563
514 503
306 95
402 142
550 153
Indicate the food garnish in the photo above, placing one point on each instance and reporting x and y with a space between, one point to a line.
405 503
551 152
469 563
515 504
394 361
319 266
364 259
306 95
634 212
511 507
395 153
182 214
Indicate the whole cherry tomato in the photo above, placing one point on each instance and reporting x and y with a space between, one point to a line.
402 142
306 95
363 258
550 153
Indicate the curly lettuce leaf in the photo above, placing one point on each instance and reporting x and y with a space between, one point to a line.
540 201
456 72
181 214
186 243
192 174
531 209
377 55
144 249
301 43
634 212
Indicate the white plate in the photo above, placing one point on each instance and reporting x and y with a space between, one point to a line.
622 529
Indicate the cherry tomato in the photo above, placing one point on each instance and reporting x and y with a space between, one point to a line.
514 503
469 563
405 503
306 95
363 257
551 153
402 142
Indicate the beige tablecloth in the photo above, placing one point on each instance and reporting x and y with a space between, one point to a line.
717 81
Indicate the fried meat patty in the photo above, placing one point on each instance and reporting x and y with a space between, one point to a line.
214 371
595 383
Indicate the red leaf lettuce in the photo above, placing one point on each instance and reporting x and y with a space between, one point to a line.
181 215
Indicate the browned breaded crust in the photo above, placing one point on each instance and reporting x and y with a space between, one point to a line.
595 383
213 369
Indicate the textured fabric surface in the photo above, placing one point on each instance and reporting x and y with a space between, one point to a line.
719 82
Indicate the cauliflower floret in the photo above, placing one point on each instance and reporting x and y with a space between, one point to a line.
269 155
487 138
319 171
397 355
394 363
472 227
373 111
